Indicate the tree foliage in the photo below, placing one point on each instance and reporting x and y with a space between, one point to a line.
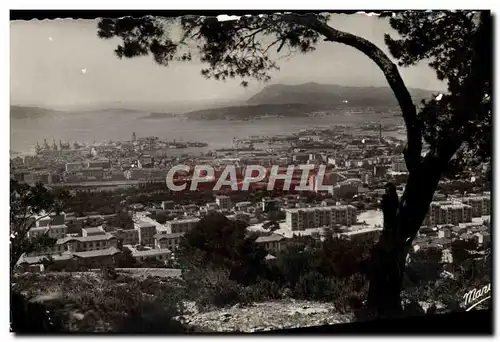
219 242
229 49
447 41
27 205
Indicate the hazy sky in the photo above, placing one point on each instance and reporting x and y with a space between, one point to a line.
47 58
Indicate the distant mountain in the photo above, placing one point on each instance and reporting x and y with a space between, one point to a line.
330 94
22 112
251 112
303 100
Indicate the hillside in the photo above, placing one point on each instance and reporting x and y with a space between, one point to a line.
302 100
24 112
315 93
248 112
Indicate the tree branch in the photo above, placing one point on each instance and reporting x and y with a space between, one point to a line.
413 148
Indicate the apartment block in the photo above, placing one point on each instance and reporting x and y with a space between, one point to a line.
447 213
324 216
481 205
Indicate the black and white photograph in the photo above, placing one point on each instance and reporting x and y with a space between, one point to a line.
250 172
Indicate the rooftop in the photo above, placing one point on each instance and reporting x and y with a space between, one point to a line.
269 238
100 237
38 259
102 252
323 208
93 230
187 220
151 252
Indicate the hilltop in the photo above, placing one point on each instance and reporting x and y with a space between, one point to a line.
302 100
315 93
24 112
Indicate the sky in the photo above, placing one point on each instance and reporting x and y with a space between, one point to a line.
63 64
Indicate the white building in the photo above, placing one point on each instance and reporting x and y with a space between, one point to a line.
317 217
224 202
481 205
447 213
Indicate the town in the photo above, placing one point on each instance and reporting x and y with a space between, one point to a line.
357 167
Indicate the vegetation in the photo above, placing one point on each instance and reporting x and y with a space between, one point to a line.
457 45
29 204
224 266
86 303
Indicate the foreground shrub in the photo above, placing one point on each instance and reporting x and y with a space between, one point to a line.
150 318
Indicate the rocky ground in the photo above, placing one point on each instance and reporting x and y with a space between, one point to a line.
265 316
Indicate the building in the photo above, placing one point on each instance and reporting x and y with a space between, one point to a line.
242 206
146 232
224 202
92 231
167 205
161 255
481 205
52 231
43 177
78 244
379 170
89 259
482 238
102 163
300 158
317 217
370 233
170 241
183 225
445 233
145 161
270 204
93 172
447 213
127 236
272 243
399 165
349 187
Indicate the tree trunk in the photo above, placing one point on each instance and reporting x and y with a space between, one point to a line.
402 219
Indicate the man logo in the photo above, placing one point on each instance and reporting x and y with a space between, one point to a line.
475 297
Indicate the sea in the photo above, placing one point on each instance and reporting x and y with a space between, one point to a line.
119 126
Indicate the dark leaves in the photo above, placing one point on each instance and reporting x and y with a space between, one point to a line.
25 203
230 49
445 40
